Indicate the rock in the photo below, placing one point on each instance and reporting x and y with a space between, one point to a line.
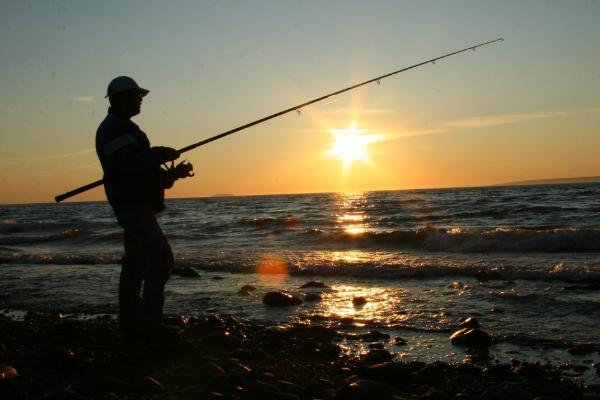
149 385
247 288
315 284
214 369
328 349
290 387
312 297
263 390
503 371
376 356
7 372
373 336
186 272
396 373
471 338
470 322
366 389
435 374
376 345
398 341
280 299
239 374
434 393
358 301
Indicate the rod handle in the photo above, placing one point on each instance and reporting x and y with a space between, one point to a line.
81 189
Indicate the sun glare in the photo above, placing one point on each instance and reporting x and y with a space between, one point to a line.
350 145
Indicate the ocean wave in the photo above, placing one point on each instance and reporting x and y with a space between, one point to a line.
399 272
11 225
64 235
577 274
268 222
58 259
458 240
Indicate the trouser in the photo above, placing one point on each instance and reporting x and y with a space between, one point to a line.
148 261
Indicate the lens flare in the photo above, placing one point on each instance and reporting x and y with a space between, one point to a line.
272 269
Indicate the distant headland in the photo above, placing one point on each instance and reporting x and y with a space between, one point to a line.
556 181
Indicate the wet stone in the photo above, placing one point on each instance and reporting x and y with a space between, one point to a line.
246 289
470 322
434 374
315 284
315 297
149 385
292 388
7 372
214 369
264 390
375 356
471 338
397 373
280 299
359 301
398 341
373 336
434 393
366 389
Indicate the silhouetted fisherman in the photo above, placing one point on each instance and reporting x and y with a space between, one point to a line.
134 183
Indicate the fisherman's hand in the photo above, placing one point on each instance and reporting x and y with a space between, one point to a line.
184 169
165 154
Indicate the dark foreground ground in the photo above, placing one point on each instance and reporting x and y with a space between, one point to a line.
215 358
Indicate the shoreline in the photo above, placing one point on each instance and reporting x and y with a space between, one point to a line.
224 357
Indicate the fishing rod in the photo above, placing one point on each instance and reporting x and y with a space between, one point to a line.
297 108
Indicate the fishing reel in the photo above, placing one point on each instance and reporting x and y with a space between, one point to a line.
184 169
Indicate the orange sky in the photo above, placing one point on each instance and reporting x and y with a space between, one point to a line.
528 108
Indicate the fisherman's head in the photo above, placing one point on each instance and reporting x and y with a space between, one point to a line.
125 96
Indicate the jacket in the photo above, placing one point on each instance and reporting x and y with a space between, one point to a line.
132 172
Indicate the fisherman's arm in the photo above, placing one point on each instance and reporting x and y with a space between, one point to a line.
132 158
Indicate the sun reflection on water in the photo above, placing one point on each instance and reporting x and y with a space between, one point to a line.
380 303
350 214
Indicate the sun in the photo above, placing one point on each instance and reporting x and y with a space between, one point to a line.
350 145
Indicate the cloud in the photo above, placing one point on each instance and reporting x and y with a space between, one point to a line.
484 121
25 160
83 99
501 119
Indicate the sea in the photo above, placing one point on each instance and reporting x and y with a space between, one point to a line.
523 260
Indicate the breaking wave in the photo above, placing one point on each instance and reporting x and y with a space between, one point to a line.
510 240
